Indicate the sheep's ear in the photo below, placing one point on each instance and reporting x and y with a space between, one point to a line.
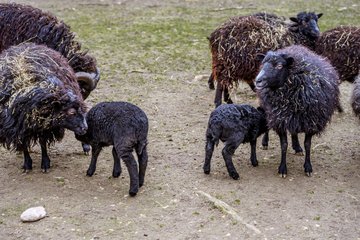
289 61
260 57
319 15
294 19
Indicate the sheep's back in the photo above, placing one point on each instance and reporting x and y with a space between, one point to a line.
236 44
341 46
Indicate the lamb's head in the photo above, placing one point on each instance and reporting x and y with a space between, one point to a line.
274 71
307 24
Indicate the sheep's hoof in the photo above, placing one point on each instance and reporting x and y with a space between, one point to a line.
264 147
44 170
132 194
235 175
282 175
26 171
309 174
207 171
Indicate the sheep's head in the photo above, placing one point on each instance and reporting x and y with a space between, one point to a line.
87 73
274 71
307 24
68 112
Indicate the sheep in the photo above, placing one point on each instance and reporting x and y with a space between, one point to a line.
299 92
237 44
233 124
21 23
125 127
39 99
355 97
341 46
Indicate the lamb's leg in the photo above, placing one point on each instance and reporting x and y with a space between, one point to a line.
227 98
284 145
211 82
253 158
218 95
296 145
95 151
117 165
45 160
131 165
230 146
209 149
265 140
27 160
142 159
307 164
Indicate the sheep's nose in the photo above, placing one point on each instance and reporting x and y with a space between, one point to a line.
259 76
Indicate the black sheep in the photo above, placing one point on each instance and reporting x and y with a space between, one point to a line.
237 44
299 92
355 98
233 124
39 98
341 46
21 23
125 127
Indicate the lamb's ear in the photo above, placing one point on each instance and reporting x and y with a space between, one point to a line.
294 19
319 15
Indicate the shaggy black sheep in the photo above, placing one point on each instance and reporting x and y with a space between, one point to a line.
21 23
237 44
125 127
355 98
299 92
233 125
39 98
341 46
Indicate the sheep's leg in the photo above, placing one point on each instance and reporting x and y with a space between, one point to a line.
253 158
295 144
86 148
117 165
265 140
230 146
27 160
209 149
284 145
95 151
45 160
307 164
218 95
131 165
142 159
227 98
211 82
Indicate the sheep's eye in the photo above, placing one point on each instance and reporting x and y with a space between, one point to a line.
71 111
279 66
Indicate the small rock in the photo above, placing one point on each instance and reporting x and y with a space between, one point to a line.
33 214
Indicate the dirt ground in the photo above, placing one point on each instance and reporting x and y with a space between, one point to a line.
171 205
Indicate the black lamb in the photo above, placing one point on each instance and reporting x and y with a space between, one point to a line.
299 92
21 23
237 44
355 98
39 98
233 124
125 127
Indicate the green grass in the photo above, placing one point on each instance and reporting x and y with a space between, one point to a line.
153 43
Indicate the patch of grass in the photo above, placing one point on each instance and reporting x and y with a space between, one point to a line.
317 218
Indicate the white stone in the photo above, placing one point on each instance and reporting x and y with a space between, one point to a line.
33 214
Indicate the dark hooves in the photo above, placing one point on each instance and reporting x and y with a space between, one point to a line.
264 147
299 153
207 171
132 194
235 175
